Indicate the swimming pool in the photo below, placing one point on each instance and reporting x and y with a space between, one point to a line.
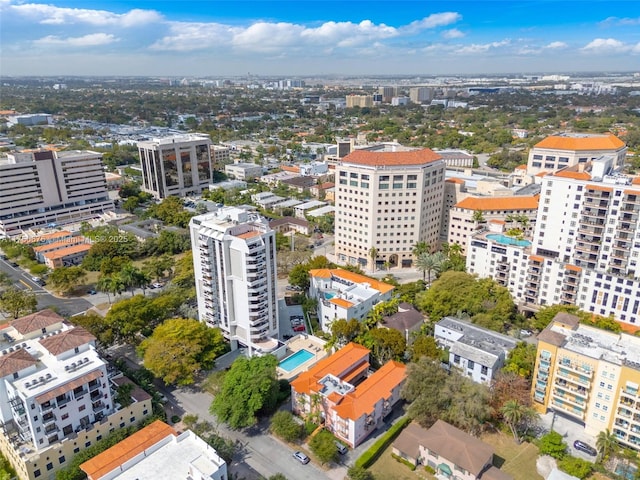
294 361
505 240
329 295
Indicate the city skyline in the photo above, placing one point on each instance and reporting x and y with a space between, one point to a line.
315 38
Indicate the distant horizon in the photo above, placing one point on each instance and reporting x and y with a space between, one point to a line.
140 38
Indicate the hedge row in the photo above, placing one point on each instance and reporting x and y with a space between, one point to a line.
372 454
404 461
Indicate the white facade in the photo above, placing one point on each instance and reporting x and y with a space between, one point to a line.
585 248
179 165
389 200
234 255
568 149
243 171
342 294
479 353
52 381
43 187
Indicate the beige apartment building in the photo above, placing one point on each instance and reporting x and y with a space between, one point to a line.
591 376
359 101
46 187
390 201
470 214
568 149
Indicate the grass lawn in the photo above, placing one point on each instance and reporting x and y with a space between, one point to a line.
387 467
519 460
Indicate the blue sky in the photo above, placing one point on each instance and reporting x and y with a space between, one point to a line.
209 38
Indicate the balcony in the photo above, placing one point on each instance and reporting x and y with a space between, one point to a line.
590 230
97 406
45 407
560 405
591 202
591 222
595 194
583 247
572 377
594 213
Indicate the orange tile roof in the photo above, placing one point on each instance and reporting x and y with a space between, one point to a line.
536 258
378 386
379 159
337 364
636 181
495 220
352 277
48 236
499 203
63 252
249 234
15 361
290 168
573 268
341 302
455 180
57 245
591 142
541 174
599 188
632 192
521 167
127 449
573 174
65 341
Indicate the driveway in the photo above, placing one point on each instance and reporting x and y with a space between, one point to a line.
570 431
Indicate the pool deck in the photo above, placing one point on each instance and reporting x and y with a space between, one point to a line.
310 343
484 235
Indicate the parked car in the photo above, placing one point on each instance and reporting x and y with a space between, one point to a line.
342 449
14 264
156 285
299 328
92 292
583 447
526 333
301 457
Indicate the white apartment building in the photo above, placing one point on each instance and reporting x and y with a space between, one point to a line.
234 255
178 165
568 149
389 200
342 294
55 395
517 212
243 171
43 187
477 352
585 248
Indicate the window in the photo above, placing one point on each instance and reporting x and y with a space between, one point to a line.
37 473
49 466
456 359
61 459
471 364
484 370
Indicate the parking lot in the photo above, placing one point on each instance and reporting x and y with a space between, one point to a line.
571 431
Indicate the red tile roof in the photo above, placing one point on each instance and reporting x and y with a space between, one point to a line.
352 277
378 386
65 341
337 364
455 180
13 362
573 174
600 188
36 321
127 449
379 159
63 252
591 142
499 203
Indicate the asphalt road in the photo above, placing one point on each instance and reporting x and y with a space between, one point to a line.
64 306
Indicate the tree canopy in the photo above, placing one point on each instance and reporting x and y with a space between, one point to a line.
487 303
180 348
249 388
17 303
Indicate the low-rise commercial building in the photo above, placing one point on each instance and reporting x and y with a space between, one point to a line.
243 171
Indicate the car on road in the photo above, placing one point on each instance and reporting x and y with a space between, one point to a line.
156 285
3 256
301 457
526 333
91 292
39 281
583 447
14 264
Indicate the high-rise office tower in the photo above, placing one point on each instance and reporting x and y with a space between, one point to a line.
390 201
179 165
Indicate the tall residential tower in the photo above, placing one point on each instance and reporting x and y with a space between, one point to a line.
234 256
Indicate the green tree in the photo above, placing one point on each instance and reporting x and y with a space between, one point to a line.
299 276
606 444
323 445
96 325
123 394
277 476
285 426
576 466
373 254
385 344
157 267
513 413
130 204
521 360
428 263
425 346
250 387
110 284
180 348
65 279
133 316
553 445
17 303
359 473
420 248
343 332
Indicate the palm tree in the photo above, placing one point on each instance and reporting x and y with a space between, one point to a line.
420 248
430 262
373 254
606 444
109 284
478 217
513 412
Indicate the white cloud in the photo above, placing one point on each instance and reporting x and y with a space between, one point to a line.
453 33
476 48
52 15
556 45
615 21
92 40
432 21
606 45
